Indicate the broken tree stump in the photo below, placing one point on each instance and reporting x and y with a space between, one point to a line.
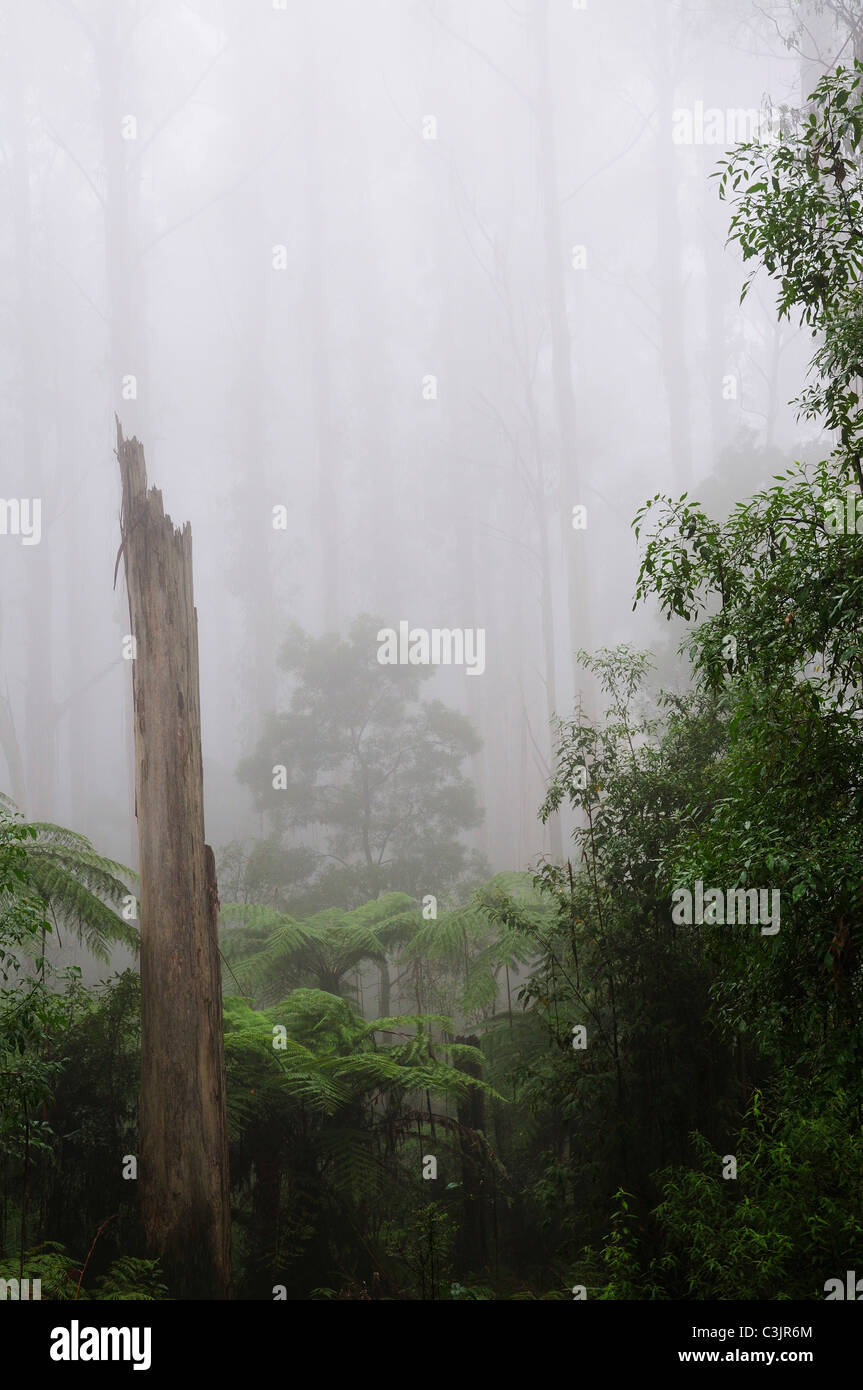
183 1150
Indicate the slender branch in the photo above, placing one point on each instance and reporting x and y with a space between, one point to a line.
90 1252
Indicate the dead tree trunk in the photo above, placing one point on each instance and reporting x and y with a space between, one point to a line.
182 1133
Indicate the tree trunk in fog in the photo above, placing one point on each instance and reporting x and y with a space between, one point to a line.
716 363
385 555
575 560
453 355
12 753
547 605
547 608
40 714
327 460
672 317
182 1130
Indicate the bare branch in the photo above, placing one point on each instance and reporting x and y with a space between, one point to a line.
468 43
178 106
61 144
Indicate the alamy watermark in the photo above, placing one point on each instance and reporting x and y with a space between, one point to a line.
21 516
851 1288
729 125
440 646
844 516
26 1290
734 907
77 1343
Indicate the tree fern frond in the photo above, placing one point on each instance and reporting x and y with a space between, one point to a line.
78 884
350 1165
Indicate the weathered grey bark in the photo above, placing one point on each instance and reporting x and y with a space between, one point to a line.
182 1132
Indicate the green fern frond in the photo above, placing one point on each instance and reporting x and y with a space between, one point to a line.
326 947
78 884
52 1265
350 1165
131 1280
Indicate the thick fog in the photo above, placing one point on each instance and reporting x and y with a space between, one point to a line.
412 306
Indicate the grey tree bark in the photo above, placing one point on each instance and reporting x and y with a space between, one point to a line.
182 1130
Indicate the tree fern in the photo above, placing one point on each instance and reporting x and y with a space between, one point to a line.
128 1279
329 1058
131 1280
271 952
500 928
80 888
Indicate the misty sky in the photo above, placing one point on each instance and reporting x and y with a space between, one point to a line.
334 257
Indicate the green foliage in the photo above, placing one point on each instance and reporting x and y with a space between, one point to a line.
791 1219
23 923
317 1116
772 576
423 1246
30 1012
94 1116
459 960
271 952
128 1279
51 1264
50 875
780 798
613 963
798 212
131 1280
331 1057
77 886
